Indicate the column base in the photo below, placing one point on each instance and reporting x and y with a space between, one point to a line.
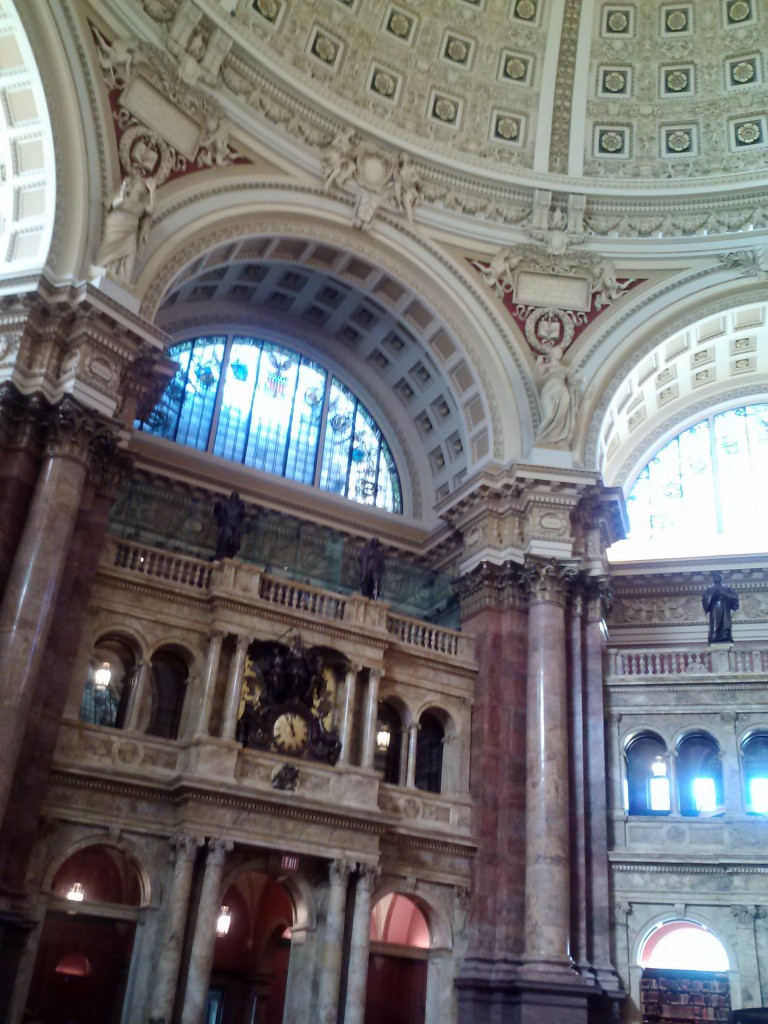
514 992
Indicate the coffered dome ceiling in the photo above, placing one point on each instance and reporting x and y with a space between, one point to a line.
610 93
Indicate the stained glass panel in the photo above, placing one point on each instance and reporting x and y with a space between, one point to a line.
267 410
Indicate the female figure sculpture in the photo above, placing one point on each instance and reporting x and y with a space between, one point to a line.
127 225
557 400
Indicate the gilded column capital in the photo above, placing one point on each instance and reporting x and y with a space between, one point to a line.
599 597
548 580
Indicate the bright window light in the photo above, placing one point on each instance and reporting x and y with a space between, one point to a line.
758 795
704 795
683 946
659 793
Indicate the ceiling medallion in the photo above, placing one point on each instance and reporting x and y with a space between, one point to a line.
618 21
384 84
611 142
748 133
515 68
677 81
508 128
739 10
615 81
399 25
679 141
444 109
526 9
457 50
269 9
325 49
743 72
676 21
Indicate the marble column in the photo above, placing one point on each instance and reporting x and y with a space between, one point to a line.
357 977
204 941
235 688
176 905
139 681
577 756
21 422
596 802
371 717
547 847
330 965
347 715
208 682
413 740
27 610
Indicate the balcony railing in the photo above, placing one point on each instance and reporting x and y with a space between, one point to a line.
245 582
714 661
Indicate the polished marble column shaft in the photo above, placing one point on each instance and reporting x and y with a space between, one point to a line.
330 966
30 596
357 978
413 739
175 908
204 941
348 710
235 688
371 718
208 682
547 881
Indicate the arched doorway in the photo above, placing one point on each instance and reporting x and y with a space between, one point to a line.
397 969
86 943
250 964
684 974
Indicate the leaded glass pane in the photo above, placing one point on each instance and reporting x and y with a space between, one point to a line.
164 418
301 456
364 459
272 410
200 388
238 399
337 450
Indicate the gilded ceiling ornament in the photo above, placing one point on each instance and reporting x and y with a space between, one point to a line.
618 21
739 10
515 68
676 81
744 71
748 133
679 141
614 81
677 21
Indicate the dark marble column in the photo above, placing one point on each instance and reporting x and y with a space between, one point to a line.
204 941
577 772
330 964
22 427
27 611
175 907
360 945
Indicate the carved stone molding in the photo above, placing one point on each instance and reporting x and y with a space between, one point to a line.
185 847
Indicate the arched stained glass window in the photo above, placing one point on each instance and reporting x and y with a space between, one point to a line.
707 488
271 408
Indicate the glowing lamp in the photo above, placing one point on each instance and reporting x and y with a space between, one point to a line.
383 736
76 893
659 767
102 676
224 921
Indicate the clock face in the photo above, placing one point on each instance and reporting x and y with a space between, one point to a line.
290 733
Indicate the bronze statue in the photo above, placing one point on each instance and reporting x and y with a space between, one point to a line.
230 515
719 601
371 561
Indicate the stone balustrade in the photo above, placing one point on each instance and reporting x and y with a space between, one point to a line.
643 664
243 582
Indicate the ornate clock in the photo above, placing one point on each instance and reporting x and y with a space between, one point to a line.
291 730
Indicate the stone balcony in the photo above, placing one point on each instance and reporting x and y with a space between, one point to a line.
235 583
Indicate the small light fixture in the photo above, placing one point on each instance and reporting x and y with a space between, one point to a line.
383 736
102 676
659 767
224 921
76 893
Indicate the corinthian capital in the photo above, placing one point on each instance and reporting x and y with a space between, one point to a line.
548 580
218 850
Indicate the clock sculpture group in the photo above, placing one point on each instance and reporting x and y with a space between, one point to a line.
293 703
